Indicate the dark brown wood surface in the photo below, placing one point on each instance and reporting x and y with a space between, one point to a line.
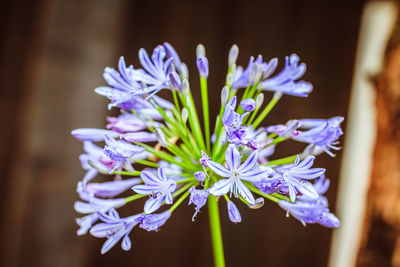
53 53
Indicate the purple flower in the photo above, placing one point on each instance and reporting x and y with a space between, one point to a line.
235 173
114 229
323 134
248 104
124 87
311 212
152 222
286 81
156 70
200 176
233 212
126 122
92 134
121 151
204 159
198 198
287 131
85 223
296 174
232 122
202 66
249 76
158 187
95 160
111 189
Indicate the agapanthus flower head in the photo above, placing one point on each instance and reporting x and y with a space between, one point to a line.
160 149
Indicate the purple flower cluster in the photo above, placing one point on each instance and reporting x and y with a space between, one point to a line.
157 149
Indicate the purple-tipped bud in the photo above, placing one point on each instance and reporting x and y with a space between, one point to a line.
233 212
171 52
248 104
202 66
152 222
160 137
233 55
175 81
200 176
92 134
259 100
200 51
224 95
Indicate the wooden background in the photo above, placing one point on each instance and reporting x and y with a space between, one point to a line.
53 53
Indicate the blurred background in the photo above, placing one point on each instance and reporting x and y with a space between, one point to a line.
53 53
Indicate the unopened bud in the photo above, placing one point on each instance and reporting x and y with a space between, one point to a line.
160 137
202 66
233 213
200 51
229 79
185 71
175 81
224 95
184 115
259 100
233 55
185 87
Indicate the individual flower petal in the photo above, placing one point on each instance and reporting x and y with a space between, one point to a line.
92 134
221 187
232 157
111 189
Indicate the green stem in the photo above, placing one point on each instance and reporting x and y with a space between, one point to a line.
265 112
216 235
179 201
204 100
282 161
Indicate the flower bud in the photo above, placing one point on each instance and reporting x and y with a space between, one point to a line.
175 81
185 71
200 51
160 137
248 104
233 212
229 79
233 55
202 66
184 115
224 95
259 100
200 176
185 87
